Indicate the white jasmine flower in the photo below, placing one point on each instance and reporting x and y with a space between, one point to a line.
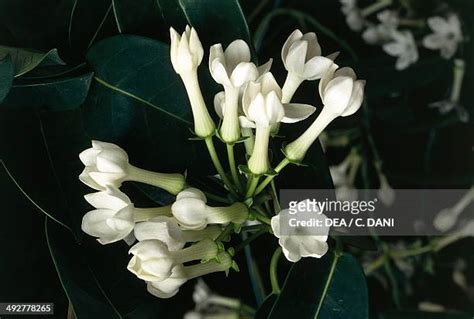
263 108
402 46
342 95
429 306
301 56
167 230
113 220
231 68
204 298
446 36
382 32
186 50
180 274
153 261
354 17
303 242
447 217
186 55
191 211
107 165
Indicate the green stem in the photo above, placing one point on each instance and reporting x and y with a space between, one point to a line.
227 230
252 186
217 164
261 217
267 180
328 283
233 167
273 271
217 198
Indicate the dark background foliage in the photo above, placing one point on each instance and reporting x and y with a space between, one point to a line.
113 81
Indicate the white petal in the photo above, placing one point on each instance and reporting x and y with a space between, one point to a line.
338 93
316 67
246 123
88 156
192 193
107 179
238 51
269 84
190 213
274 108
297 112
356 98
87 179
327 77
394 48
219 104
264 68
165 229
314 49
94 222
433 41
438 24
250 92
294 36
219 72
196 47
243 73
275 223
111 198
257 112
296 57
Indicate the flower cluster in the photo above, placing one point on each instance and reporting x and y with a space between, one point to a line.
184 240
396 32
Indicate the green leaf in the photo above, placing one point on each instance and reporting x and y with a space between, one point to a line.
264 310
139 100
141 17
26 60
331 287
81 285
6 76
57 94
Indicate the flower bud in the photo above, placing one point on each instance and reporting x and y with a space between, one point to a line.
167 230
107 165
186 51
153 261
191 211
342 95
180 274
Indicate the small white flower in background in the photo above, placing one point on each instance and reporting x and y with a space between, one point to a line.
402 46
301 56
459 276
167 230
204 297
263 108
191 211
447 217
186 54
429 306
113 218
342 95
302 242
446 36
181 274
186 50
382 32
106 164
217 314
153 261
354 18
385 193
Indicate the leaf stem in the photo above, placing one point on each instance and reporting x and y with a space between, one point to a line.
253 182
217 164
274 271
328 283
233 167
227 230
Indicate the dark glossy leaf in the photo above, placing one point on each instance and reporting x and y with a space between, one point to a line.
26 60
140 17
264 310
90 22
79 282
6 76
53 94
331 287
139 102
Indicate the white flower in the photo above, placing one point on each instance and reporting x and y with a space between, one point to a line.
385 192
232 68
180 274
186 55
342 95
301 56
167 230
354 17
191 211
107 165
263 108
447 217
214 314
402 46
153 261
382 32
186 51
113 220
205 298
446 36
302 242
